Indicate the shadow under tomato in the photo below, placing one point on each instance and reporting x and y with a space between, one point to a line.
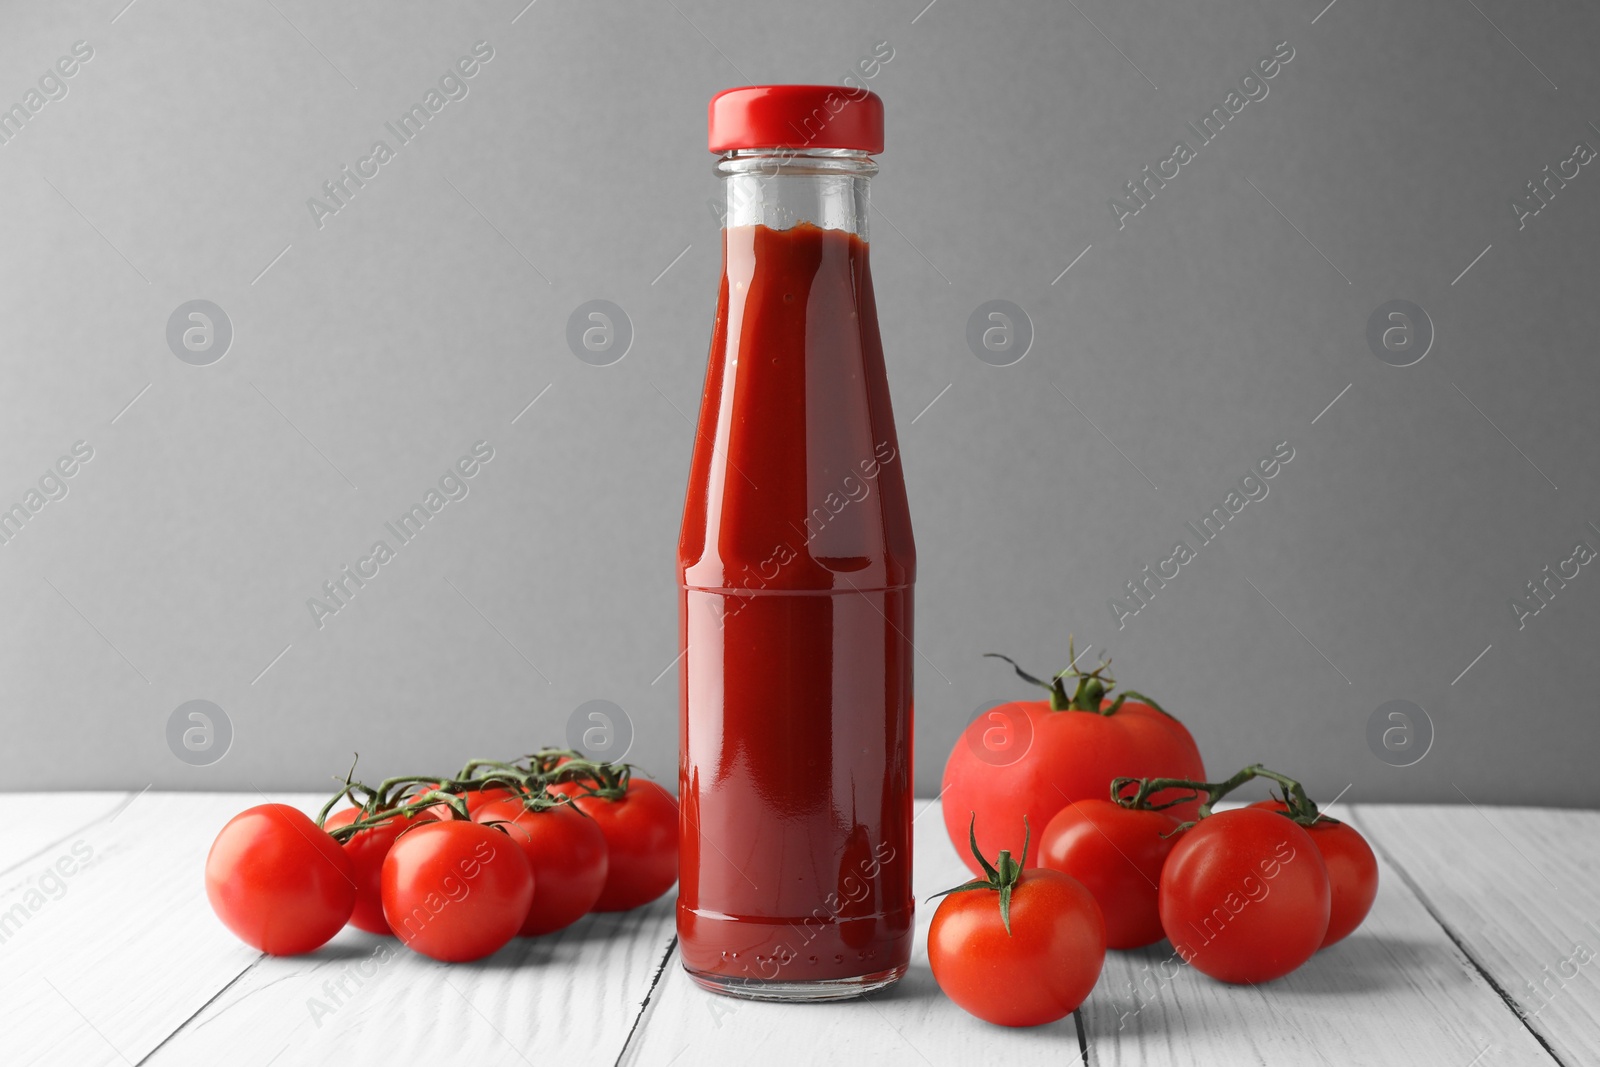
919 986
579 940
1367 963
350 944
1144 991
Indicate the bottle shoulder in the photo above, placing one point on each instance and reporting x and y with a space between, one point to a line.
796 475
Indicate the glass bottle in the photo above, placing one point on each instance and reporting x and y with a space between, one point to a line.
796 565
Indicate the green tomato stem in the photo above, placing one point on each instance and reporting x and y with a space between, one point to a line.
1001 876
1301 808
1089 691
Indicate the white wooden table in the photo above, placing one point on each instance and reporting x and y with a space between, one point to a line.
1481 950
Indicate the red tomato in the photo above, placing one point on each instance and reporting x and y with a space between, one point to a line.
366 851
1038 972
1244 896
456 890
1117 853
1352 871
566 852
641 832
278 882
1066 755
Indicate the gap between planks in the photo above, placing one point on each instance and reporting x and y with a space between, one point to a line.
252 965
1478 964
649 994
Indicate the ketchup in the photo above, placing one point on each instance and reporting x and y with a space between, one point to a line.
796 565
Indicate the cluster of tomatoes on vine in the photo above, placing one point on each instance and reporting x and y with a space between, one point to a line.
1131 852
454 867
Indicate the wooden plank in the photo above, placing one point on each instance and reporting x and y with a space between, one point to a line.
1517 887
1397 992
121 958
912 1022
127 960
40 821
569 997
102 963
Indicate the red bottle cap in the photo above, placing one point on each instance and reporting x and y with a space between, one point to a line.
796 117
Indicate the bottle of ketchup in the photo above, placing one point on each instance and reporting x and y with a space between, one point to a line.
796 565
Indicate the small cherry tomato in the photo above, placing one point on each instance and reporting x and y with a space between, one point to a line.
1352 871
641 832
278 881
1244 896
1017 947
456 890
366 850
1117 853
566 852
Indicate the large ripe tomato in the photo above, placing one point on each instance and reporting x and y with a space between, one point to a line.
566 852
1019 948
366 850
641 832
1352 871
1117 853
456 890
278 882
1244 896
1028 759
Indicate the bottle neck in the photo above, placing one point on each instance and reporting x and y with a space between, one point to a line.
781 188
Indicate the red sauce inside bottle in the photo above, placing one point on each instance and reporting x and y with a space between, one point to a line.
796 563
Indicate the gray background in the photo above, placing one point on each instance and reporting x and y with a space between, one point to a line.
427 313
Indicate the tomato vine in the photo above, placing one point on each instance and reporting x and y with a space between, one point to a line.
527 779
1298 806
